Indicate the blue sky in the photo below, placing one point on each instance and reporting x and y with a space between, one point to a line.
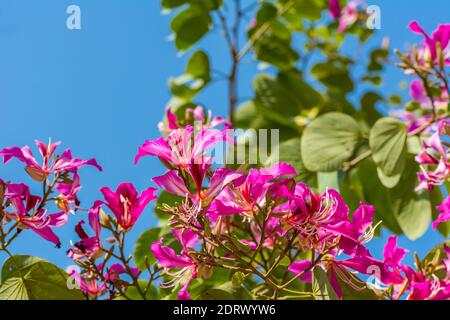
101 90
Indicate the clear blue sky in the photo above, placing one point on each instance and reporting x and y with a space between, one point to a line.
102 89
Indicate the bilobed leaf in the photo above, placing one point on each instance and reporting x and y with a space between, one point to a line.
142 254
329 141
388 143
27 277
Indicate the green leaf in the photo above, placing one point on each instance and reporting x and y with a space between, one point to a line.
288 151
322 288
412 209
274 99
329 141
189 26
388 182
226 291
142 254
333 76
134 294
27 277
171 4
388 143
196 77
13 289
377 195
368 107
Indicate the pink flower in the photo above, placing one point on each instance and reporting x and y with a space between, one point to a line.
183 147
168 259
444 214
63 163
89 284
88 247
67 199
114 271
174 184
29 216
349 15
360 228
125 203
250 193
441 37
435 155
319 218
194 116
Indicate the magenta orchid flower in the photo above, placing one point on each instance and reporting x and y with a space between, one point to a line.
187 268
173 183
183 147
125 203
251 192
88 246
67 199
346 16
114 271
29 216
441 37
89 284
444 212
435 155
319 218
63 163
196 115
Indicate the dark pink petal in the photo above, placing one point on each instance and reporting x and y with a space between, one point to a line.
363 217
58 219
167 257
335 9
393 255
187 238
145 197
173 183
171 119
158 148
298 267
22 154
444 215
220 179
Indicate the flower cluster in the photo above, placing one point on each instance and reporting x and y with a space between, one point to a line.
427 116
60 181
231 219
